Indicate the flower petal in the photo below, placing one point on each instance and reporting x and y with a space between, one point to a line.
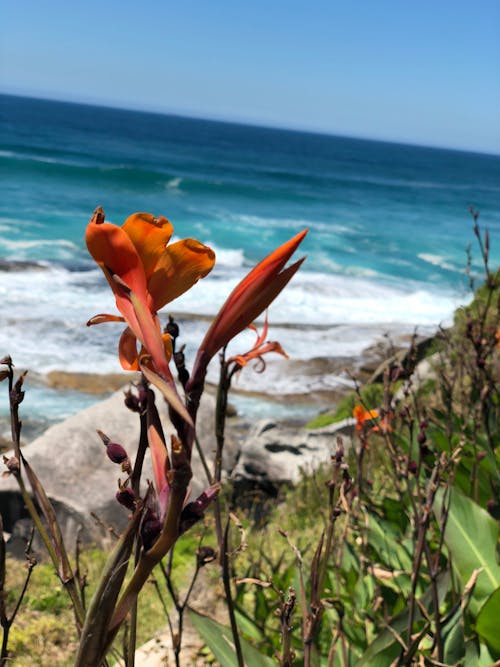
180 266
243 307
166 388
150 236
127 351
151 336
103 317
112 249
115 253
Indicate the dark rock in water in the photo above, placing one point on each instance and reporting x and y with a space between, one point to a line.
71 462
11 265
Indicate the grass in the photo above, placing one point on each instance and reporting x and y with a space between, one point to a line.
43 633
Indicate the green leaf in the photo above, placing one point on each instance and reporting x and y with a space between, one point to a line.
452 635
385 648
247 626
471 536
219 640
384 541
477 655
487 622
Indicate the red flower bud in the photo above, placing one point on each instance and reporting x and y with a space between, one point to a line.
126 497
116 452
421 438
150 529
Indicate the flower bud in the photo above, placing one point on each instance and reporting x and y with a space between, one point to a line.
480 456
115 452
421 438
150 529
126 497
412 467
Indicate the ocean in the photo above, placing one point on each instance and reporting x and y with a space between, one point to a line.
386 250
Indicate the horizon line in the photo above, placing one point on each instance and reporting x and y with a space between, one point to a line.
265 125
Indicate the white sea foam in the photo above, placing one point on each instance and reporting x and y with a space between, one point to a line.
437 260
174 184
226 257
43 316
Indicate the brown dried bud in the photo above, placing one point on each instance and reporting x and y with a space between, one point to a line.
17 394
12 464
6 361
172 328
205 555
132 402
97 216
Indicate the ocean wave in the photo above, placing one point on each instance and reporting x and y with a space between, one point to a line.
438 260
173 184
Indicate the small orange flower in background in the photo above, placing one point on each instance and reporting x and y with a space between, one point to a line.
145 274
259 349
497 336
361 416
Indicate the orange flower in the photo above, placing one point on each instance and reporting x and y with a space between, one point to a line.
259 349
248 300
361 415
497 336
144 274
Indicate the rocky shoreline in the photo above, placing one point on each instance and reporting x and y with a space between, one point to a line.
260 453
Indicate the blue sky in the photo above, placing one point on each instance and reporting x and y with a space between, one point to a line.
422 72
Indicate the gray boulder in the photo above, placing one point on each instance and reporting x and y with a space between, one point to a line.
274 455
71 462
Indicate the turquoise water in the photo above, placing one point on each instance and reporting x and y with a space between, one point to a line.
389 225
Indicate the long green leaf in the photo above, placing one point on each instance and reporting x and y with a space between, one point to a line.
487 625
219 640
471 537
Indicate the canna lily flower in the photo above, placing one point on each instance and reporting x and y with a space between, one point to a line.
248 300
259 349
144 274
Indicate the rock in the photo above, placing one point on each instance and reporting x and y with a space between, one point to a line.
90 383
274 455
70 460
